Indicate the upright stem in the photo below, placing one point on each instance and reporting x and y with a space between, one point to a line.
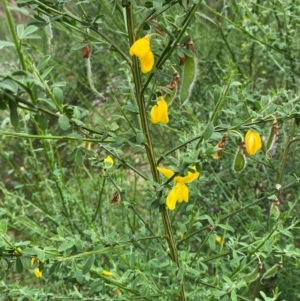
11 26
148 145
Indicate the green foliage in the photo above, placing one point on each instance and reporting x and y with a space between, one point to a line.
83 213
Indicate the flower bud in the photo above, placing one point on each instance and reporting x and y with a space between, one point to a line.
240 159
253 142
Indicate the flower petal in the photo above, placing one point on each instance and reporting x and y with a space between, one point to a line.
183 192
37 273
172 199
140 47
147 62
253 142
190 177
109 162
159 113
166 172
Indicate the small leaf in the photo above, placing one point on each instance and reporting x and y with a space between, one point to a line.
60 232
6 44
79 276
47 71
14 116
73 154
20 31
58 94
63 122
180 273
131 108
209 130
3 226
43 62
19 265
29 30
78 158
80 46
140 138
41 255
65 246
88 264
9 84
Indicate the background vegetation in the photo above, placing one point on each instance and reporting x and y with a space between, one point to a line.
236 239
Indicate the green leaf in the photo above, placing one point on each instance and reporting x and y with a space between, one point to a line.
47 71
73 154
43 62
19 265
212 242
209 130
78 158
58 94
14 116
6 44
41 255
63 122
140 138
88 264
65 246
9 84
26 262
131 108
3 226
180 273
60 232
79 276
20 31
80 46
29 30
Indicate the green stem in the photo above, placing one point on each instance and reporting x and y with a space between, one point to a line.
148 144
14 34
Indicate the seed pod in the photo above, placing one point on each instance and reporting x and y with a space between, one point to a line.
272 271
274 210
253 275
189 75
221 145
86 51
272 138
240 159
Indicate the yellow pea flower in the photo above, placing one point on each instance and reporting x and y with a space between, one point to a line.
109 162
106 273
159 113
141 49
218 240
37 273
253 142
180 191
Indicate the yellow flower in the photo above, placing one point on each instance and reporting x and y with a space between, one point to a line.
218 240
159 113
108 162
180 191
141 49
106 273
37 273
253 142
